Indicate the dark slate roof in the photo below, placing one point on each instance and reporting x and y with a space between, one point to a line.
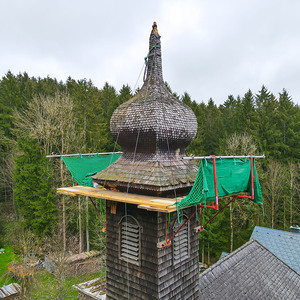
223 254
285 245
250 272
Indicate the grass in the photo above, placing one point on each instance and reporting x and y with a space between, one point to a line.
46 287
44 284
5 259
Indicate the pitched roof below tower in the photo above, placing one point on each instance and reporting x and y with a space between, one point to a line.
284 244
250 272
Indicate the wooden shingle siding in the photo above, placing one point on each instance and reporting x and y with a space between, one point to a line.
181 242
156 277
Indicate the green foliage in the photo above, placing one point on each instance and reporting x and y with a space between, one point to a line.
215 238
5 259
273 123
2 230
34 194
45 286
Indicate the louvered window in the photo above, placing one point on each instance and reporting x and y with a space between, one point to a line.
130 240
181 245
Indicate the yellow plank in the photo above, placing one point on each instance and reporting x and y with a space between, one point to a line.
143 200
163 201
67 193
152 208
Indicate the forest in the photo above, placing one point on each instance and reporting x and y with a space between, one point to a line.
41 116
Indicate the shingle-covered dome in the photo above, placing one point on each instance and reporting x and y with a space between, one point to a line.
154 128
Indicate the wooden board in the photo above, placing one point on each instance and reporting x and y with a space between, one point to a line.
151 203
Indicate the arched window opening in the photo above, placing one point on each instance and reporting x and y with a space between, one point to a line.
130 240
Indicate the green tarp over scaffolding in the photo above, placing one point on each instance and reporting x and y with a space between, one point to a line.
233 177
83 167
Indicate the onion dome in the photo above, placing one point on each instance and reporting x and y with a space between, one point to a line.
153 128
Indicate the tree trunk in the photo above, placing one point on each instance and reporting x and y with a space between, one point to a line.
231 227
291 193
208 255
63 207
284 212
80 225
87 225
63 197
84 128
273 211
203 258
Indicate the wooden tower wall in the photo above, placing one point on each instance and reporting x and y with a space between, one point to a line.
156 277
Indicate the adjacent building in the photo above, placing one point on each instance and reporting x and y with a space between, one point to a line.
284 244
250 272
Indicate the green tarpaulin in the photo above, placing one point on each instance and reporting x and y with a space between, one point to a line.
233 177
83 167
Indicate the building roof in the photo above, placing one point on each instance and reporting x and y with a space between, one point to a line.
223 254
250 272
9 290
93 289
284 244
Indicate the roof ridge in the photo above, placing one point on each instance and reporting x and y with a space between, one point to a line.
273 229
220 261
253 239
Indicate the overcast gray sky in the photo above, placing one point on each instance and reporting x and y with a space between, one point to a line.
210 48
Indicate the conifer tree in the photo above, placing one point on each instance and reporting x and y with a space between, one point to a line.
34 194
266 134
213 130
246 113
124 94
288 124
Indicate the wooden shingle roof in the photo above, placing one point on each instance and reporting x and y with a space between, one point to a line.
153 128
9 291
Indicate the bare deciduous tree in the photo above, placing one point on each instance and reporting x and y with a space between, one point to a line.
274 185
51 121
239 144
293 183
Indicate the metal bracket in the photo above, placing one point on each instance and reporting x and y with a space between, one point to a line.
198 229
163 244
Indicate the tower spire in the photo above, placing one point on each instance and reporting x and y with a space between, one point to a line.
153 59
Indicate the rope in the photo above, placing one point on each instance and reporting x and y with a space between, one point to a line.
235 197
166 226
202 216
100 214
168 241
126 215
101 209
143 66
215 182
201 221
107 171
127 191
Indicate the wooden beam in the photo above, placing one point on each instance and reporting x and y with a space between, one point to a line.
152 208
113 207
152 203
